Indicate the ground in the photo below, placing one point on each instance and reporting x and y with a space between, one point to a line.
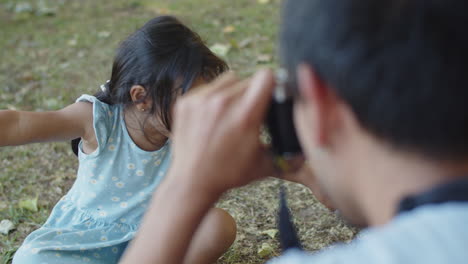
53 51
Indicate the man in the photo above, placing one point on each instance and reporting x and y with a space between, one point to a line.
382 118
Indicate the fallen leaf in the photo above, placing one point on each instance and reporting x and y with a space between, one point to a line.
6 226
27 76
72 42
245 42
104 34
29 204
264 58
220 49
44 10
229 29
23 7
58 190
11 107
233 44
216 22
265 250
163 11
52 103
270 232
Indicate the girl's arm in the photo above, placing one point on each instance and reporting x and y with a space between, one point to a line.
21 127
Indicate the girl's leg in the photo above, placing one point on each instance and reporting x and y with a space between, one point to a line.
215 235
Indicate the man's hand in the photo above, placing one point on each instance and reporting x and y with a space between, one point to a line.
216 133
216 147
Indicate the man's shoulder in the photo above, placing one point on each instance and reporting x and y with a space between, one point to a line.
428 234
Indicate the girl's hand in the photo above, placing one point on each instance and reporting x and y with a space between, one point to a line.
216 134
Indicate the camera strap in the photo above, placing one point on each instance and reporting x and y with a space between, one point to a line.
287 230
455 191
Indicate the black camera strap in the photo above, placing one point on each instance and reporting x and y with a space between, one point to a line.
455 191
287 230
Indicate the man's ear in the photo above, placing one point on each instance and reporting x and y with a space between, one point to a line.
139 98
315 95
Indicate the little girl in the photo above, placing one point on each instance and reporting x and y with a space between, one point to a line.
124 150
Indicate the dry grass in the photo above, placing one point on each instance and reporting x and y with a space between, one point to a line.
48 60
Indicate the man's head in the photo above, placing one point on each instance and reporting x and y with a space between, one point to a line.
394 71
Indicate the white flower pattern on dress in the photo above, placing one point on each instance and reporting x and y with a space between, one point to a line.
103 213
106 186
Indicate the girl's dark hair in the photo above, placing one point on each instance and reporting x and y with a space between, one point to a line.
165 57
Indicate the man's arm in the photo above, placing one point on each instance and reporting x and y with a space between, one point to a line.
222 153
170 223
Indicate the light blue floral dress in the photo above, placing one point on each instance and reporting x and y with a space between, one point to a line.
96 219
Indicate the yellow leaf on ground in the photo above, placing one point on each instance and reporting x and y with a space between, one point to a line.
264 58
270 232
220 49
229 29
265 250
29 204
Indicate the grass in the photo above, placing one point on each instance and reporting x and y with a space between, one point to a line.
52 51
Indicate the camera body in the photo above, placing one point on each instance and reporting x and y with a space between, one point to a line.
279 120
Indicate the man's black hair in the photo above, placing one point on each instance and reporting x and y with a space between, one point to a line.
401 65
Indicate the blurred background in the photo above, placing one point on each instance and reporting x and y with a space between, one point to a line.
52 51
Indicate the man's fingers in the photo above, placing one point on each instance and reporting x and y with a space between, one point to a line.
258 95
225 81
236 89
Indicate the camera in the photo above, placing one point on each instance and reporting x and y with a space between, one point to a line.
279 120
